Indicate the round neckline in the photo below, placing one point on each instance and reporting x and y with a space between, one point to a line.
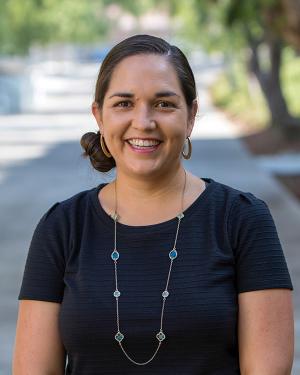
129 229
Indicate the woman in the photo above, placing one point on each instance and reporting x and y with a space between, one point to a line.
159 271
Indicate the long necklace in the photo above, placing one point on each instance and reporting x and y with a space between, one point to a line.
119 336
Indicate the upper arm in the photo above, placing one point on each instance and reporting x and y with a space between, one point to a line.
266 332
38 346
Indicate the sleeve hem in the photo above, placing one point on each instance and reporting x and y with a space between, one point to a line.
265 287
44 299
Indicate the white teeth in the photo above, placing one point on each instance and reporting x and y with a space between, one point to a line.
143 143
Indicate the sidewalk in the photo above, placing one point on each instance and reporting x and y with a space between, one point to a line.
42 164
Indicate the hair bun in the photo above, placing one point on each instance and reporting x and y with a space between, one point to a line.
90 142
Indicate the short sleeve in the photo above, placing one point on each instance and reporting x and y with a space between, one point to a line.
259 257
45 263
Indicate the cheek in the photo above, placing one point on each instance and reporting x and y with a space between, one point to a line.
112 126
115 119
176 128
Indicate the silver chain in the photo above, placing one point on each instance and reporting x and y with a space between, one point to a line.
119 336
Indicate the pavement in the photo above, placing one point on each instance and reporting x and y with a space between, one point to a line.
40 164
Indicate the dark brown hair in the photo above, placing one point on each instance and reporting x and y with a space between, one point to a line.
134 45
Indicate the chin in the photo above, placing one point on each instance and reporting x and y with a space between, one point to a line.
144 170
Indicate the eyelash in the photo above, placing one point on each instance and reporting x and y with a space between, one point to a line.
170 105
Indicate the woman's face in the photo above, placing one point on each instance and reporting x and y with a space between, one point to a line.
145 119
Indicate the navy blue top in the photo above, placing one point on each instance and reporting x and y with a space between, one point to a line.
227 244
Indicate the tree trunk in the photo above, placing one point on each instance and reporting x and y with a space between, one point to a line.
290 29
270 83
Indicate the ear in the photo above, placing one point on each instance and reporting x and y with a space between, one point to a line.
192 117
98 115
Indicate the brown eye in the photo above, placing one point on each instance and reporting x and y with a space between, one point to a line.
164 104
123 103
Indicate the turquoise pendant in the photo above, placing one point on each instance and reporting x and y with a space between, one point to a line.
173 254
115 255
119 336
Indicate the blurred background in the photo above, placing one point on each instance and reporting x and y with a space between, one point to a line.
246 60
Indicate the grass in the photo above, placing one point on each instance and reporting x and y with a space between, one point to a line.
240 95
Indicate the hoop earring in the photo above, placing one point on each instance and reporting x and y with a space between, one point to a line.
104 148
189 153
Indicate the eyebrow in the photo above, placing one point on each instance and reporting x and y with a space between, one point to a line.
157 95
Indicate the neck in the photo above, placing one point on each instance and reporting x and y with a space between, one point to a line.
146 202
139 192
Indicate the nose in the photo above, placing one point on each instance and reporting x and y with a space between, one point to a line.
142 118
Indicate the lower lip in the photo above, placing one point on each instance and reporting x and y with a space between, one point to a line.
144 150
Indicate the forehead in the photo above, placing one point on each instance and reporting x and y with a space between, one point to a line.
144 71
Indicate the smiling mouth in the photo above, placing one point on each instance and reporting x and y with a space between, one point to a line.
143 142
143 146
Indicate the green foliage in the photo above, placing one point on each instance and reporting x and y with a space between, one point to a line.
243 29
185 19
228 24
240 96
24 22
70 20
137 7
290 78
204 22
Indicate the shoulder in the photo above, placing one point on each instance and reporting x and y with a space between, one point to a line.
244 207
67 209
235 200
235 194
